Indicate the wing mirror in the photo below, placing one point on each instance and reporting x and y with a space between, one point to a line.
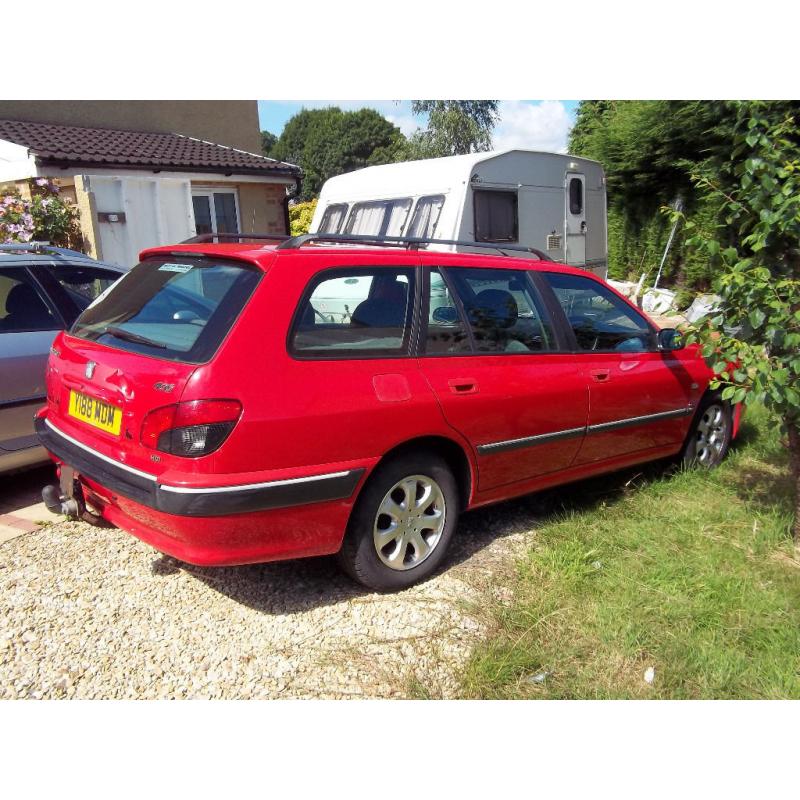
670 339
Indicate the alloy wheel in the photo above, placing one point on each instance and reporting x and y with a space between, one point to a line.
409 522
712 435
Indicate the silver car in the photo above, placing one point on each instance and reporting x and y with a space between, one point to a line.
42 291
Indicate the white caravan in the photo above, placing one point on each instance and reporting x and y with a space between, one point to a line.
550 202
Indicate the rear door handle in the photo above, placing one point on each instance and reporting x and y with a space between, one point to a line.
600 375
463 385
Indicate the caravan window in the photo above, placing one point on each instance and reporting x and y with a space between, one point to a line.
333 218
495 216
575 196
426 216
379 217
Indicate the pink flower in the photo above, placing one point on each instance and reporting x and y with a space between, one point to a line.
42 181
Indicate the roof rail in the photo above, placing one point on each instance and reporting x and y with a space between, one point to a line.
409 242
44 248
204 238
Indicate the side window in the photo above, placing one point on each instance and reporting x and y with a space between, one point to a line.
355 312
426 216
575 196
333 218
600 320
82 284
495 216
379 217
503 312
22 307
446 331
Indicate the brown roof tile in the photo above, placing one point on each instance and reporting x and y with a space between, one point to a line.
101 147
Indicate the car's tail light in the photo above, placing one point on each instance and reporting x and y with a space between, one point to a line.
191 429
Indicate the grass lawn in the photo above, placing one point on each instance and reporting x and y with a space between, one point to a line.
692 573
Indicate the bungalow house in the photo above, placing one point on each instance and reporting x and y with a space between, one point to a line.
139 188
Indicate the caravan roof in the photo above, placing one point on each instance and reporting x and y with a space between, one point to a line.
429 176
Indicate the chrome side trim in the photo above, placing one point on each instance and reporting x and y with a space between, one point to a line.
568 433
529 441
244 487
631 421
99 455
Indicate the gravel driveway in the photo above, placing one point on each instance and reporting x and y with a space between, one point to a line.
95 613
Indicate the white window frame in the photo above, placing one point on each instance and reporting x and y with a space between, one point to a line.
209 192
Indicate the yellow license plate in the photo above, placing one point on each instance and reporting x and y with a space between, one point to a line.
94 412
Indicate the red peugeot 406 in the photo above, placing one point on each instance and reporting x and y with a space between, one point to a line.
238 403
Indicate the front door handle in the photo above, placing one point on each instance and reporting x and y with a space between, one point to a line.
601 375
463 385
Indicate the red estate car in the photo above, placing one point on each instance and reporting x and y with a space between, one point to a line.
240 403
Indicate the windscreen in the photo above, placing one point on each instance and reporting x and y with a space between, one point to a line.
175 308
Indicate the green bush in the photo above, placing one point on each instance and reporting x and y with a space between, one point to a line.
46 217
300 216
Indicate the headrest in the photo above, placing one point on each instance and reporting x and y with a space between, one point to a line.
493 308
22 299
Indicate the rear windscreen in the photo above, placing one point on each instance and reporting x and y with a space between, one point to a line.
175 308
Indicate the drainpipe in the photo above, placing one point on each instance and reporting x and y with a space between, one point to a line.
290 196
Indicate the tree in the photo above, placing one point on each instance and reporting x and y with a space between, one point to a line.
268 141
649 150
328 141
454 127
754 342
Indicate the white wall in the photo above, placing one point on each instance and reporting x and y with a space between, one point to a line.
157 211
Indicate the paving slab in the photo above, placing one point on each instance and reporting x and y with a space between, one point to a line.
21 508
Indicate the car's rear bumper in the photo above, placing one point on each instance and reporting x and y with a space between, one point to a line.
214 525
196 501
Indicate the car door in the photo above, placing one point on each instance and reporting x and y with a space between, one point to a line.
28 324
640 398
73 286
493 358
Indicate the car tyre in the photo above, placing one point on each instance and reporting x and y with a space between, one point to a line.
402 523
710 434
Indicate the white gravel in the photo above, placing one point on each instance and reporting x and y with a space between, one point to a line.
95 613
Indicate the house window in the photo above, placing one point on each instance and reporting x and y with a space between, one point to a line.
495 216
215 212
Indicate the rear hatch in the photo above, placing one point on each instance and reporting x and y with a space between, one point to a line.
136 347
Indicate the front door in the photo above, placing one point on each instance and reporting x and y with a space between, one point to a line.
575 222
640 398
491 357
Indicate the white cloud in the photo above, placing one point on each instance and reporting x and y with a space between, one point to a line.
406 122
532 126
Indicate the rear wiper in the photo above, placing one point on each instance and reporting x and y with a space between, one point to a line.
121 333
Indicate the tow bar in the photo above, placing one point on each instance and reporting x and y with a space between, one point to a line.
63 499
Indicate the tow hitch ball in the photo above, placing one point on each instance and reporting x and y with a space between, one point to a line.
63 499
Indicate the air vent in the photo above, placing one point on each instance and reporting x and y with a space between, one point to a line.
553 241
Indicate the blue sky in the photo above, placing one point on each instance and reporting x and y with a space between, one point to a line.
533 124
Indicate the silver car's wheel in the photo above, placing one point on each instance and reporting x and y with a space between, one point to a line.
410 522
712 435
